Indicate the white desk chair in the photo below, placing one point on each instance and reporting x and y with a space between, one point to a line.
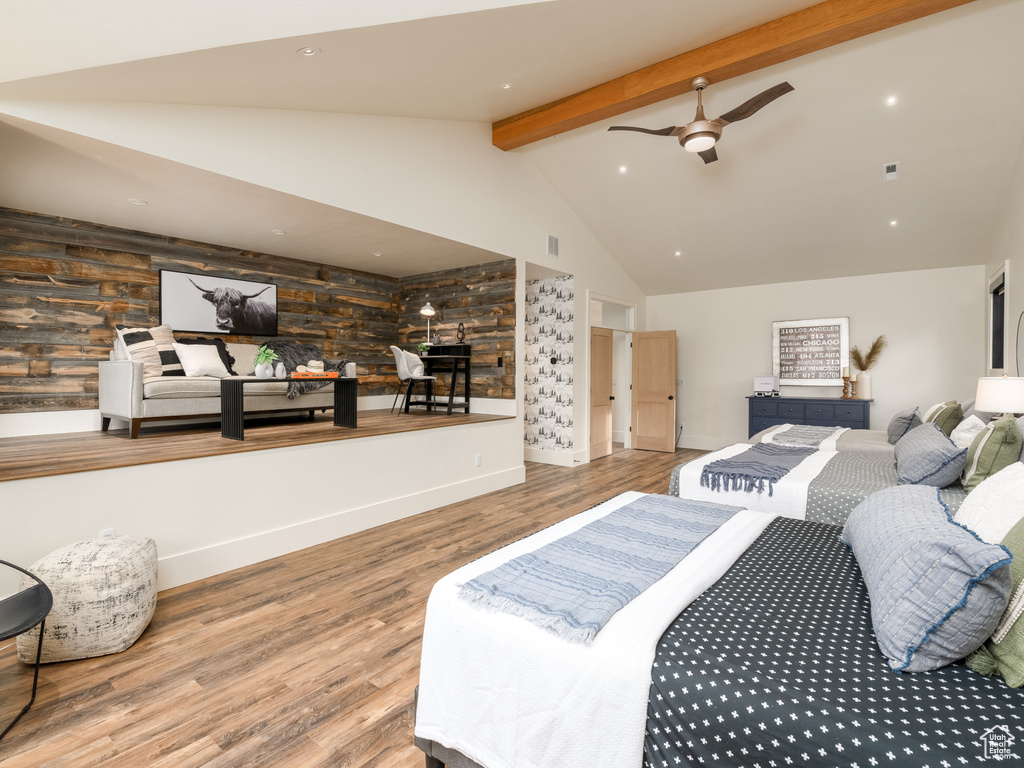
410 369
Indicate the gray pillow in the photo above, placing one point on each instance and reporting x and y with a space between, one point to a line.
903 422
925 456
937 591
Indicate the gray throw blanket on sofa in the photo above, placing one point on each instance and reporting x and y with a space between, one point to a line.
574 585
293 354
750 470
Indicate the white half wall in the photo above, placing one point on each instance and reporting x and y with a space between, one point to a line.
215 514
934 321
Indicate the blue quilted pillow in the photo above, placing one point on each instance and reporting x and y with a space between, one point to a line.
937 591
901 423
926 456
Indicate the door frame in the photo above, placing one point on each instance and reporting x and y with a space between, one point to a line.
631 313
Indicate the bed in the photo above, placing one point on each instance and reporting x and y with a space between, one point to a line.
757 650
825 487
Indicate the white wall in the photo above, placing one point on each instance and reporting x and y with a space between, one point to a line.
1009 246
214 514
932 319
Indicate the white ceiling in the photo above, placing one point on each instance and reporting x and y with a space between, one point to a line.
797 194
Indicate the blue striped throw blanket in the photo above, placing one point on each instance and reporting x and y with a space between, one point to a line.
574 585
803 436
750 470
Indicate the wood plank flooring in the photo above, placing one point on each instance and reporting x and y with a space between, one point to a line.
309 659
45 455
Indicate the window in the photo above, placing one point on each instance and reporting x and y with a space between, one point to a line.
997 320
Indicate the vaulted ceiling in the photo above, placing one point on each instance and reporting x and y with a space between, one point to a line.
798 191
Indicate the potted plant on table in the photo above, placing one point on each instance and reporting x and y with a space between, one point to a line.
264 361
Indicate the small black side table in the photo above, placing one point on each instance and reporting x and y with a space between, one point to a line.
232 403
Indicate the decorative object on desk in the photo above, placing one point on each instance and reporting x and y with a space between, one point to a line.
423 346
863 362
460 334
428 312
265 359
437 338
217 304
811 352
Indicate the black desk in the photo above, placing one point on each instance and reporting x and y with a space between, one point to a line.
232 403
448 364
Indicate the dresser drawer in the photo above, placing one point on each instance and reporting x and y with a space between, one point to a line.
791 410
760 423
851 412
820 411
764 407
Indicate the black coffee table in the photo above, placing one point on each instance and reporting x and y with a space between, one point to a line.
232 403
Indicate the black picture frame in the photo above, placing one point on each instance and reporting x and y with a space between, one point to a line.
196 303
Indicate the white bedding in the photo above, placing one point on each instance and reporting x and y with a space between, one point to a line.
788 499
506 693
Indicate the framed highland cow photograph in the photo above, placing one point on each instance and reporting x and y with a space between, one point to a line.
203 304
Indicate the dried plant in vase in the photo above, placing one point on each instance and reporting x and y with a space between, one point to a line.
862 362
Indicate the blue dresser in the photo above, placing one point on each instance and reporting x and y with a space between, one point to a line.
768 412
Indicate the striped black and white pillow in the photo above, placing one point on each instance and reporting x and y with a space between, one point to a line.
154 348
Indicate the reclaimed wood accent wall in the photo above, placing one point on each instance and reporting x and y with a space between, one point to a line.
483 299
65 284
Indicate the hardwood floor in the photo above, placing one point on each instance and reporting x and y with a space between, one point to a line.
309 659
45 455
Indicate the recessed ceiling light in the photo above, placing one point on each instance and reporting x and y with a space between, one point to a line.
893 101
506 86
137 201
376 254
678 254
311 50
278 232
623 169
894 223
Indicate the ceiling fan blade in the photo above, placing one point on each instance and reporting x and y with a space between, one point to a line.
749 107
708 155
660 132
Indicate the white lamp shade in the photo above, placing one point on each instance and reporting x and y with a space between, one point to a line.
427 311
1002 394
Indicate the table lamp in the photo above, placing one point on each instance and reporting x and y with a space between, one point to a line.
1000 394
428 312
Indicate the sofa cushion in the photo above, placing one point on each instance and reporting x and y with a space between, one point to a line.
153 347
245 358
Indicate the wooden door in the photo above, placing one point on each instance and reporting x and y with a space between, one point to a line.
654 391
600 392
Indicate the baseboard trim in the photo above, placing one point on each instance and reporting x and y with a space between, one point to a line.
186 567
557 458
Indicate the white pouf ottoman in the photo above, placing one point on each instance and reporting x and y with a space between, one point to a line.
104 596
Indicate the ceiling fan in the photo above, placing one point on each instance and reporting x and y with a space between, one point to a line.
701 135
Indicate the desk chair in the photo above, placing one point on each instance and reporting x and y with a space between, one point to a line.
410 369
18 614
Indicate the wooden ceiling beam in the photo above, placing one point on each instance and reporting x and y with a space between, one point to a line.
799 33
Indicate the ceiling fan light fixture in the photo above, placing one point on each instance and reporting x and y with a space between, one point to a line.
698 142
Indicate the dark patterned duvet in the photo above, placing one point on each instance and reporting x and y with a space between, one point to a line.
776 665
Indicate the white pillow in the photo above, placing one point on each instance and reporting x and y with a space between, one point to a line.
414 363
996 505
965 432
201 360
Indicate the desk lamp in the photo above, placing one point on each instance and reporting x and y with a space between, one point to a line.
428 312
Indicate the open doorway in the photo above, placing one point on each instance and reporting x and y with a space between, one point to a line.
618 318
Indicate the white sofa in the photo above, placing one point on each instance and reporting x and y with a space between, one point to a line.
124 393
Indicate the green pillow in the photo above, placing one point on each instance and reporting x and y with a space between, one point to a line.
996 447
947 415
1004 651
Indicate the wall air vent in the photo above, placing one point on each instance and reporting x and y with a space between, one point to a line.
891 172
552 246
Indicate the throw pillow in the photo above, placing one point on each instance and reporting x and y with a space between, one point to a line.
222 350
947 415
201 360
996 505
153 347
1004 651
967 430
414 362
995 448
925 456
901 423
937 591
